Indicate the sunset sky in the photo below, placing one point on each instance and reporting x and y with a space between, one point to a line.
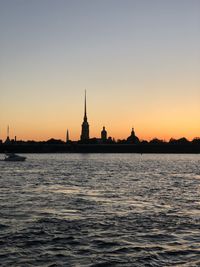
138 59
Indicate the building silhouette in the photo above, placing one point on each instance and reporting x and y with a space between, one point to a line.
104 134
85 125
133 139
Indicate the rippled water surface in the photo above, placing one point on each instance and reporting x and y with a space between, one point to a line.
100 210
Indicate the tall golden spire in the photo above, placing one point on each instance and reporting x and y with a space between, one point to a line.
85 108
85 125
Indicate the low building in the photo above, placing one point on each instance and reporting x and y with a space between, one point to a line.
133 139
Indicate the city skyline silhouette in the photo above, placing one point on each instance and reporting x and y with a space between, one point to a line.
139 61
101 138
100 133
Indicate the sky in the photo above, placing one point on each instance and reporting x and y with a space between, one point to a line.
139 61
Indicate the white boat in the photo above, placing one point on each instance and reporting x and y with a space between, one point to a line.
13 157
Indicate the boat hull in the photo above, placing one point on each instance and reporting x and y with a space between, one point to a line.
16 159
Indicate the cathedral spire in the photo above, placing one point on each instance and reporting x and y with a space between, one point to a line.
85 125
85 109
67 136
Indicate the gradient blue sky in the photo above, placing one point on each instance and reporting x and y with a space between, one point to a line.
139 61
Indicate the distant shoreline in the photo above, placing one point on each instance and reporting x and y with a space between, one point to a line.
102 148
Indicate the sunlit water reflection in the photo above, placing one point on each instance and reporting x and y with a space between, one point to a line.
100 210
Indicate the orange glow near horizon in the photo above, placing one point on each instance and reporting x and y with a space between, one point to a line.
144 130
134 76
168 119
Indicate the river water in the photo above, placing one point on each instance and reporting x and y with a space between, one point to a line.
100 210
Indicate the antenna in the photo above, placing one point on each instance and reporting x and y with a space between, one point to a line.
8 130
